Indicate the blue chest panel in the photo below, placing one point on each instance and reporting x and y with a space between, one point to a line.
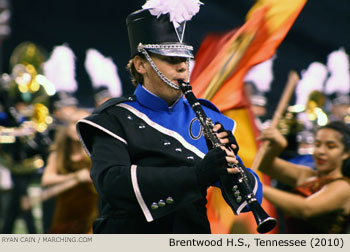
184 122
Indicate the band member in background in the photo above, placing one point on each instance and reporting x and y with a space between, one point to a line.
104 77
24 104
257 84
150 161
337 86
319 202
340 107
23 162
101 95
69 166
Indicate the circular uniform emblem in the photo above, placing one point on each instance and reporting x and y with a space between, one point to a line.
195 129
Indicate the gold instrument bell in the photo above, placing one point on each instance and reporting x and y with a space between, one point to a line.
316 102
29 85
313 109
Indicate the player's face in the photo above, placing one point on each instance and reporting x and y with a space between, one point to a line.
174 68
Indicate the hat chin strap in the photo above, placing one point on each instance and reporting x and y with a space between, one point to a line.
159 73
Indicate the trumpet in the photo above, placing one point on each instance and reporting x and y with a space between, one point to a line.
265 223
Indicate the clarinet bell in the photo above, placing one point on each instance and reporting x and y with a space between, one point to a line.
265 223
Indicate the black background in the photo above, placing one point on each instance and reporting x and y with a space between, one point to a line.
322 27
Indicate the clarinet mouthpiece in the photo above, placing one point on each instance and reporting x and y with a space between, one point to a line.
182 81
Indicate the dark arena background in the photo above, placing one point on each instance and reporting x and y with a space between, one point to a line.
322 27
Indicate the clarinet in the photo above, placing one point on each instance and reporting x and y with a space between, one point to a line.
265 223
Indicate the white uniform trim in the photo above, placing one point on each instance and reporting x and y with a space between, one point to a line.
100 128
255 185
163 130
137 192
234 127
240 208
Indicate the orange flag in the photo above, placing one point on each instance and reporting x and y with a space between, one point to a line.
222 62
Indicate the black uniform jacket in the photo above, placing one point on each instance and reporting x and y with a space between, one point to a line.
144 173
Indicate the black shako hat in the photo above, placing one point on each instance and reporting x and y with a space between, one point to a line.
62 99
157 35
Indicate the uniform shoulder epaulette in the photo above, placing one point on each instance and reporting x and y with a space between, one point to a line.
208 104
113 101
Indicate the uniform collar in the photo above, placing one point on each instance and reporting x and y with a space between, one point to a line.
150 100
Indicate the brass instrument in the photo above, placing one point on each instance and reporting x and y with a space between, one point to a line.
299 117
313 109
27 91
41 117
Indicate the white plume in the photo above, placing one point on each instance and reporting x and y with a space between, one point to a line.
311 80
338 65
103 72
59 69
261 75
179 10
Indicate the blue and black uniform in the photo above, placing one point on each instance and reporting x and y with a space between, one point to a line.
143 164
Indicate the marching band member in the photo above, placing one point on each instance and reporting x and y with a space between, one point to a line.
257 84
150 162
24 102
337 86
104 76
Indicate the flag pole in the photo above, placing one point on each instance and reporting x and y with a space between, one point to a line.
293 79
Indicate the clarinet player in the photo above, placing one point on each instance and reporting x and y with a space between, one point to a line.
150 160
